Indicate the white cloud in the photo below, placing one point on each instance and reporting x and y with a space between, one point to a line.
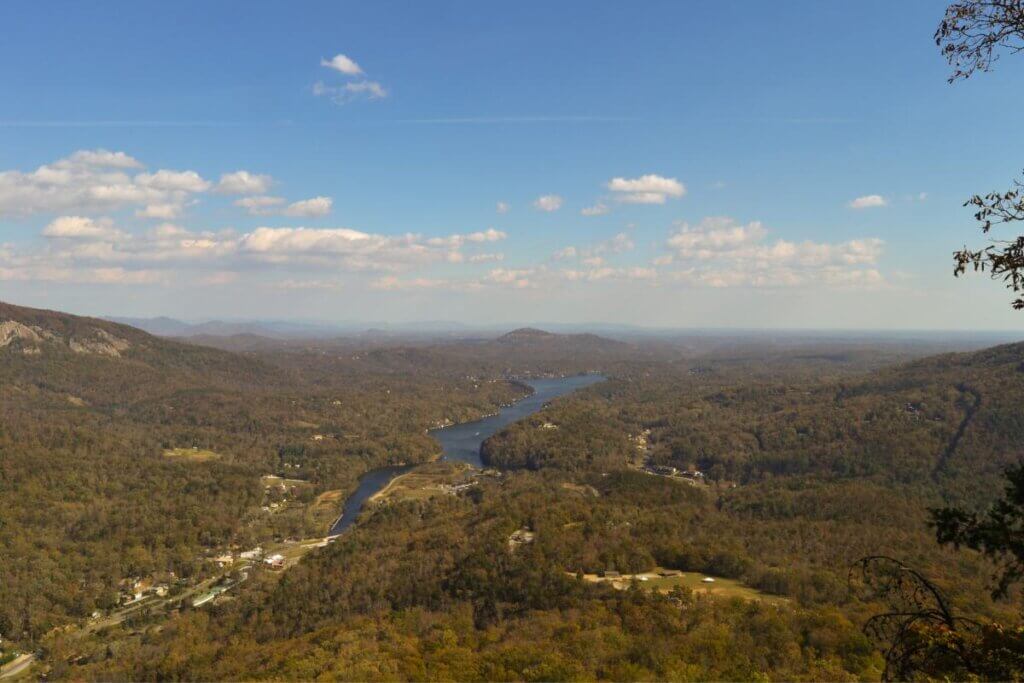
515 278
80 227
355 250
723 253
502 207
342 64
716 234
161 211
266 206
343 94
592 255
548 202
102 157
243 182
598 209
173 181
168 230
488 235
647 189
92 180
371 89
260 205
867 202
316 206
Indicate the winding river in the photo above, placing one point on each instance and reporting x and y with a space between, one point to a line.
462 442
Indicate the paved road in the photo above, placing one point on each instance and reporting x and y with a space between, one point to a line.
15 667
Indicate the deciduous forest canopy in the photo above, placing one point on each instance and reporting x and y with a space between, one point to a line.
278 502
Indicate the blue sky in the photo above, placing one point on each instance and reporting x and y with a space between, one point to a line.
721 149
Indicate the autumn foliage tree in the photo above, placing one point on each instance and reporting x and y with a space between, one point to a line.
972 35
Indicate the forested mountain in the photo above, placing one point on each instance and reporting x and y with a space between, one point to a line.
805 465
528 337
94 415
775 473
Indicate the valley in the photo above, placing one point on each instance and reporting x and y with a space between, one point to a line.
490 496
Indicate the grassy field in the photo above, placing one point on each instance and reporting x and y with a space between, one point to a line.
723 588
326 508
191 454
423 482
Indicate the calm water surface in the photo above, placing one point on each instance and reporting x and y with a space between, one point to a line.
462 442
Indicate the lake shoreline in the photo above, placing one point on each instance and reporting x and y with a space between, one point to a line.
460 443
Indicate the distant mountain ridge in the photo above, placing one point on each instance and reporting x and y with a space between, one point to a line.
110 361
534 337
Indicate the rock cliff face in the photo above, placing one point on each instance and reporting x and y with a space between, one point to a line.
33 340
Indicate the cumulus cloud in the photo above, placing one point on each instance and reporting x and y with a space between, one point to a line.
647 189
243 182
723 253
342 64
316 206
868 201
548 202
173 181
260 205
502 207
102 157
356 250
266 206
716 234
161 211
80 227
93 180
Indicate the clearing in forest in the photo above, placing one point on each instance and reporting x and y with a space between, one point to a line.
693 581
191 454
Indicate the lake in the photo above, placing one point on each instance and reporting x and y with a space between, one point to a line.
462 442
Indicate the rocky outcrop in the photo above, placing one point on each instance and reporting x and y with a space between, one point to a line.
22 337
101 342
32 340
